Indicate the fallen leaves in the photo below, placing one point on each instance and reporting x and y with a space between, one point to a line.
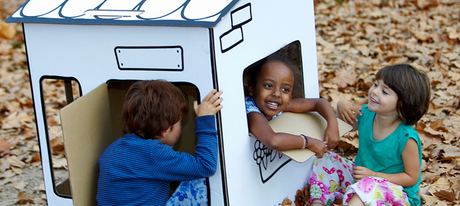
18 141
354 40
441 188
357 38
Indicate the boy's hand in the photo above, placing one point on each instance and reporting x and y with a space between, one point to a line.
210 104
347 111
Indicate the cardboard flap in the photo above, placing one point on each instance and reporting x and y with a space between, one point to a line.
87 130
311 124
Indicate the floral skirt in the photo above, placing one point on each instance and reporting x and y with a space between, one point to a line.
377 191
332 180
331 175
190 193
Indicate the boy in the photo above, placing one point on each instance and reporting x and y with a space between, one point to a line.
138 167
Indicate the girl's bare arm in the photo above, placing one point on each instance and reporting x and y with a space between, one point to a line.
259 127
411 168
323 107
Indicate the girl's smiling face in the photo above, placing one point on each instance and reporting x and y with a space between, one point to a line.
272 90
382 99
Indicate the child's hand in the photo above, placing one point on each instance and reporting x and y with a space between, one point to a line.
210 104
362 172
331 137
317 146
347 111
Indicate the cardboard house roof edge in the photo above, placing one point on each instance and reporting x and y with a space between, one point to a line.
98 48
182 14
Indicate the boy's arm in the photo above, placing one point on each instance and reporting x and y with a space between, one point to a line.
323 107
259 127
179 166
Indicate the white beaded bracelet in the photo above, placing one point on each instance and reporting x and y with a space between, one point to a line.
305 141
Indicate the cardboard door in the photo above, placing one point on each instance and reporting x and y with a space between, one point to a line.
87 130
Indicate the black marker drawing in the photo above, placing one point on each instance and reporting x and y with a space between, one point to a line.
235 36
269 161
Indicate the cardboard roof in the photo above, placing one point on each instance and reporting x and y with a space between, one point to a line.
200 13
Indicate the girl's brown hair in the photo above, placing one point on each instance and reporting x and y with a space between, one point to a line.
151 107
412 87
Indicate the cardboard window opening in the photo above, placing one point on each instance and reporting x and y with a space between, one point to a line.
92 122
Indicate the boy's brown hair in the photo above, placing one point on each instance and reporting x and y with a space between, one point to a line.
151 107
412 87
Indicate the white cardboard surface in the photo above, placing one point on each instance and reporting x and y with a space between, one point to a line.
213 57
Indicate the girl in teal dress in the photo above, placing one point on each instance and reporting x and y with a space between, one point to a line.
386 170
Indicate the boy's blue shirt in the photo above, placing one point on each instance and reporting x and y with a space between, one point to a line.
136 171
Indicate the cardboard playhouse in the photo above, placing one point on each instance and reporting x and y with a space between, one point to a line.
100 47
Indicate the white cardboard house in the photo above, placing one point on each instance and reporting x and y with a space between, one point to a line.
105 45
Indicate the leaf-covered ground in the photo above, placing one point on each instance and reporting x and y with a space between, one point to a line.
354 40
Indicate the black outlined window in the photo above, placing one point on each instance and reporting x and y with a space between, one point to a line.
57 92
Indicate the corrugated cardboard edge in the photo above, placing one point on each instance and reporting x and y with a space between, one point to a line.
86 120
311 124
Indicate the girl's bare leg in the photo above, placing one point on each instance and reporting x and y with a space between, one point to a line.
317 202
355 201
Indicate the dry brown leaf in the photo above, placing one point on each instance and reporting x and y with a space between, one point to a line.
354 143
13 161
302 196
60 163
17 170
441 188
327 47
7 31
456 186
438 125
7 174
24 198
345 78
41 187
57 145
5 146
4 181
19 185
453 33
422 36
36 158
450 151
430 200
286 202
363 49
